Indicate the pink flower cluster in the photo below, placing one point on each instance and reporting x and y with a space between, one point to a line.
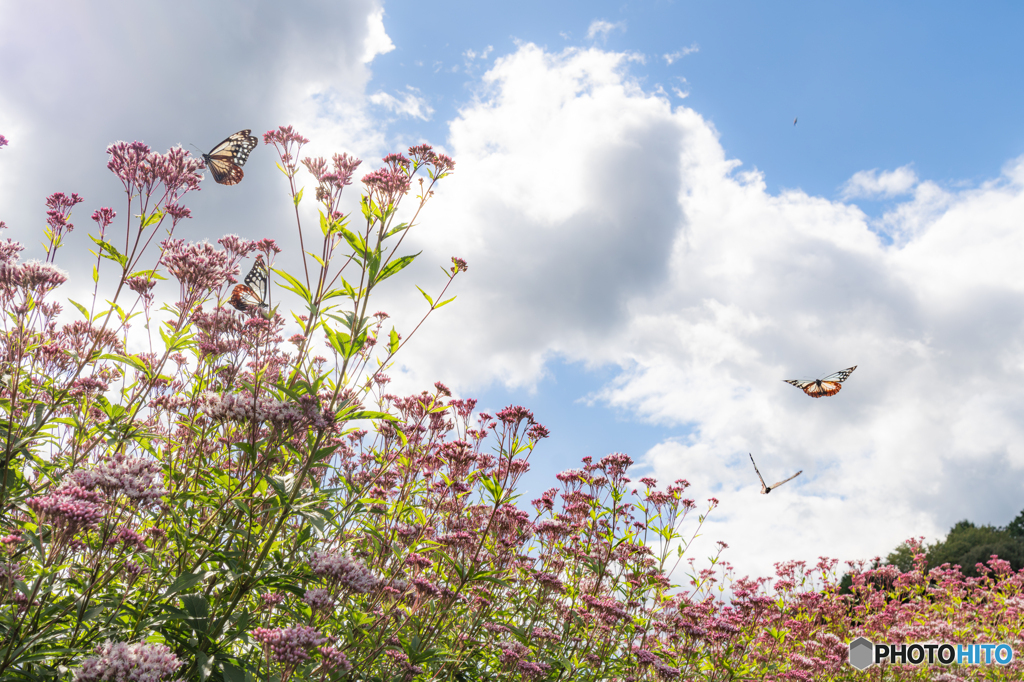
243 407
141 170
343 570
289 645
70 507
122 662
34 277
199 267
137 478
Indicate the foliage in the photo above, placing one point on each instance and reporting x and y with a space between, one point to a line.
967 545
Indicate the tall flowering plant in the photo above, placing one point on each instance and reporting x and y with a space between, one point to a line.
208 500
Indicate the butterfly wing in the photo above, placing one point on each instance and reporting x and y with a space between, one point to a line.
822 388
225 161
808 387
764 488
245 299
776 485
841 375
251 297
257 279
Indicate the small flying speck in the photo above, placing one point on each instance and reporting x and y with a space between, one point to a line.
794 121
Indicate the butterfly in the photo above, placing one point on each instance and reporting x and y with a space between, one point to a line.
819 388
765 489
225 160
251 297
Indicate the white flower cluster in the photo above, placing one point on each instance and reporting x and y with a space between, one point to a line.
235 407
137 478
121 662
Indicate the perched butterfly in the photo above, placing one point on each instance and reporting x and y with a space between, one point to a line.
765 489
251 297
225 161
819 388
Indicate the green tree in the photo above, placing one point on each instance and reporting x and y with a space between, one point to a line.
1016 527
902 557
968 544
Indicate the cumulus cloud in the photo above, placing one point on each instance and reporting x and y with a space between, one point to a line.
873 185
82 77
602 28
604 225
377 41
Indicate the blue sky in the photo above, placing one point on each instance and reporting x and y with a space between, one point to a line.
874 84
653 246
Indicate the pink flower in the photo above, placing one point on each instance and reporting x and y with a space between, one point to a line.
198 267
129 663
237 246
137 478
289 645
343 570
39 277
70 507
513 414
103 217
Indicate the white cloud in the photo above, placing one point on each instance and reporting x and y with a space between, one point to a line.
78 78
602 28
605 226
410 104
679 54
482 54
872 184
377 41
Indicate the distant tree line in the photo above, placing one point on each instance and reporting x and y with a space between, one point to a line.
966 545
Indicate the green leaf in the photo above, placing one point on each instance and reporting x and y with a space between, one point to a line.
298 197
134 363
81 308
357 242
427 296
109 251
396 266
155 217
205 664
296 286
232 673
444 303
393 342
184 581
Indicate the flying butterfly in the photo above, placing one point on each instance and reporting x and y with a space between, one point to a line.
765 489
225 160
251 297
819 388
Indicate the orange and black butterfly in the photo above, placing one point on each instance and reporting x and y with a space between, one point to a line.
819 388
225 161
251 297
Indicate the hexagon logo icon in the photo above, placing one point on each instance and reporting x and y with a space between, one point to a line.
862 653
